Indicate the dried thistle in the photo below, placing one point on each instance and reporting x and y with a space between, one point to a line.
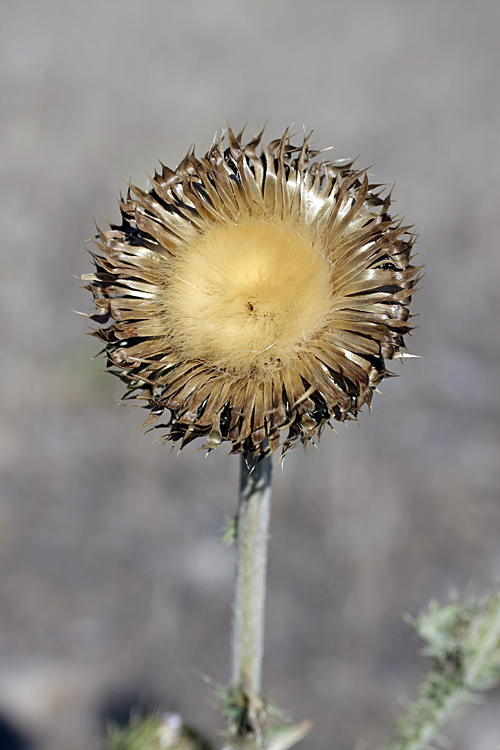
253 291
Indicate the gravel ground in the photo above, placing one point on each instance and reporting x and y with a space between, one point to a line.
114 590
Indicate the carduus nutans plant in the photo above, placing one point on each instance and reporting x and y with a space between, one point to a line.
255 293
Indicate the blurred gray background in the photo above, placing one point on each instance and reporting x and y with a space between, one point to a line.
114 589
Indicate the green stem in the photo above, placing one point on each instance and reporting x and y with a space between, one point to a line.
254 507
463 637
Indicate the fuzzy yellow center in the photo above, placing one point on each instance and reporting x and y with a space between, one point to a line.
246 298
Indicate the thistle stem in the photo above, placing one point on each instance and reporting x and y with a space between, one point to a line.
254 507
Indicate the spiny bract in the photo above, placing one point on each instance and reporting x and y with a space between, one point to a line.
252 291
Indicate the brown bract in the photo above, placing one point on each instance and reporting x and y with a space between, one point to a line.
251 292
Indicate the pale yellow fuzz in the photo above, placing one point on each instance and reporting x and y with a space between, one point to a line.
246 298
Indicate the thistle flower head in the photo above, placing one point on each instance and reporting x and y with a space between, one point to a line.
253 292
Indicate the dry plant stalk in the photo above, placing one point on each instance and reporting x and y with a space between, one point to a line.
256 294
254 508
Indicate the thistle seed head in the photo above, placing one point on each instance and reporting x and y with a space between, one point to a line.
253 292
